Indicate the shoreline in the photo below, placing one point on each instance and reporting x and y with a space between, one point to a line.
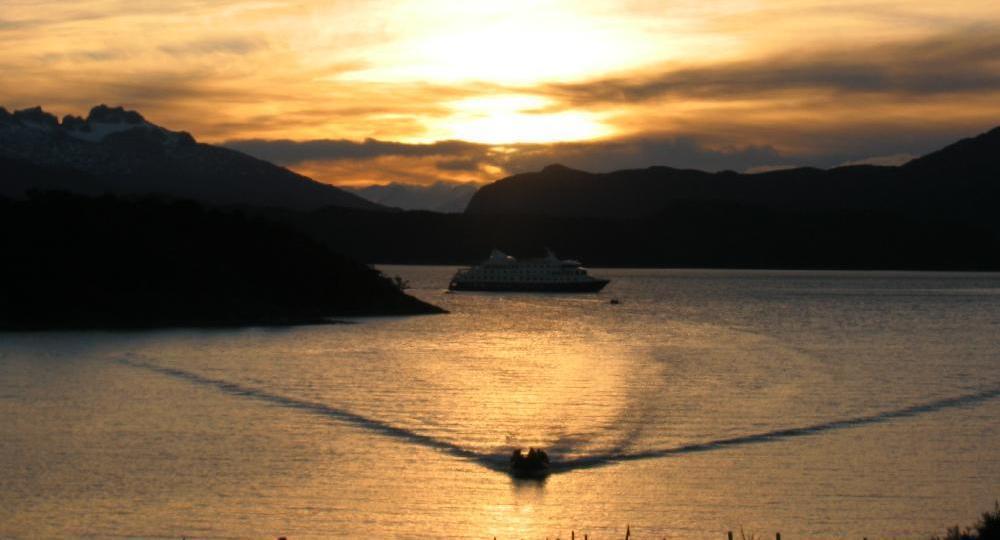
274 322
955 270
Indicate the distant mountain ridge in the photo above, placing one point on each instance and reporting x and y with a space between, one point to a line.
958 183
115 150
445 197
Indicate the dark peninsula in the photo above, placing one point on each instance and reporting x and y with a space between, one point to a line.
72 261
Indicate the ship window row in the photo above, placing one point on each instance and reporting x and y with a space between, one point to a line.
509 275
526 265
522 272
531 279
527 278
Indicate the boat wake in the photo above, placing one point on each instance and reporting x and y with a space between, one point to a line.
498 461
370 424
598 460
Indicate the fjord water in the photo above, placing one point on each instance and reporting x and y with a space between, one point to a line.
817 404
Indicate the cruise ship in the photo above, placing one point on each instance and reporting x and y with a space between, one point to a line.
501 272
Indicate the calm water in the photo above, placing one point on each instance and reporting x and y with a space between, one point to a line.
817 404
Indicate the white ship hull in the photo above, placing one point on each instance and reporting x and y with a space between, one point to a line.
583 286
502 272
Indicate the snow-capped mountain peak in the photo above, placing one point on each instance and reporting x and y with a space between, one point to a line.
99 124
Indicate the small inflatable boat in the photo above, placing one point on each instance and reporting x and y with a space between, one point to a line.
533 464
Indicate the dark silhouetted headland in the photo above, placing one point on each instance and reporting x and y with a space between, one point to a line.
77 262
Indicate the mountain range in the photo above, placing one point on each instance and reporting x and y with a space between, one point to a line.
959 183
937 212
934 212
114 150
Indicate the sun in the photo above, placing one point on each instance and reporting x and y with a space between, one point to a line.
518 119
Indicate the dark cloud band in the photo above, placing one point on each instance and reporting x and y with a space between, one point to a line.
605 155
954 63
288 152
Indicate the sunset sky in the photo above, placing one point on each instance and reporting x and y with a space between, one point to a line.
360 92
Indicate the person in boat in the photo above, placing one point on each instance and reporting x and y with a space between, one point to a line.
535 458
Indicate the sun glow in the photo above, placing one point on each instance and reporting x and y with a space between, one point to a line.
515 43
521 119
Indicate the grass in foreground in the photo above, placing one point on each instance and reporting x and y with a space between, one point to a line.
988 528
